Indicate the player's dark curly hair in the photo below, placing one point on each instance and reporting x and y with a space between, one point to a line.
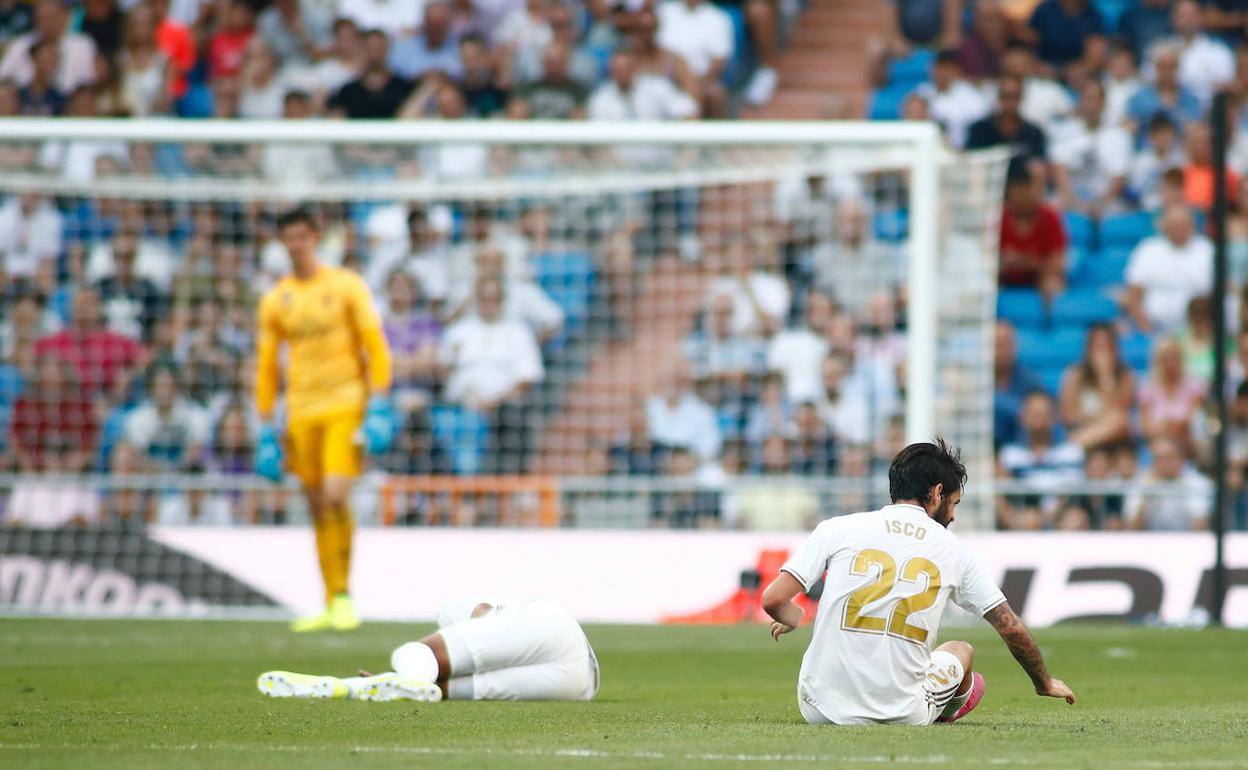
919 467
300 215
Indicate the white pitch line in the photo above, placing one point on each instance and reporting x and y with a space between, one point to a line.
574 753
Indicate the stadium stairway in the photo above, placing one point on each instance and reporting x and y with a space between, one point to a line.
823 70
597 404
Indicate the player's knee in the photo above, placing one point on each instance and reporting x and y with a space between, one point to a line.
335 493
415 661
963 651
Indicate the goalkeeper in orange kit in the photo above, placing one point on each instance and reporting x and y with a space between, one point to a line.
337 379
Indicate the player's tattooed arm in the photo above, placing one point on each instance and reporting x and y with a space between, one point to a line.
1025 650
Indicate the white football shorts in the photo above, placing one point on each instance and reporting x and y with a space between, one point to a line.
943 677
532 651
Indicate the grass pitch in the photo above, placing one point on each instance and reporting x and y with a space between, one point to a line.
135 695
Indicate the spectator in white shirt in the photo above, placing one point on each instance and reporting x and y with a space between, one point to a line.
525 301
77 50
299 32
1090 159
168 430
841 403
30 232
297 165
342 64
395 18
1175 510
1161 154
1045 101
727 363
1206 63
481 228
701 34
1166 271
680 418
760 296
489 363
850 264
79 160
1122 80
631 95
525 29
797 353
951 101
424 251
262 88
628 95
1041 460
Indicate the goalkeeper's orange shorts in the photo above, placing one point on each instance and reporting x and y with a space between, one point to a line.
325 445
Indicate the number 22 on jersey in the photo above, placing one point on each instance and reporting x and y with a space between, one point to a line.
897 622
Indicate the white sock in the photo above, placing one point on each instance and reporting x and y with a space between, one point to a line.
415 661
956 703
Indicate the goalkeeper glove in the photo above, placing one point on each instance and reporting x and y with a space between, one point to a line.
380 425
269 454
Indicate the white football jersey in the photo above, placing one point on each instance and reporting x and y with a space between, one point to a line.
889 574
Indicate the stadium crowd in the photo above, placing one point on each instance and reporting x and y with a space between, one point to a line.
127 326
1104 237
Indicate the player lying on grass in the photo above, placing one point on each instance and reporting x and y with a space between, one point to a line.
528 651
888 576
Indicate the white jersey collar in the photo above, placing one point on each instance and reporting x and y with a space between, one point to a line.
907 507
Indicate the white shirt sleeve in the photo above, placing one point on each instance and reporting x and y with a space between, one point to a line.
448 350
199 425
1138 265
539 311
677 105
1115 152
528 358
137 429
709 440
811 560
777 354
976 592
720 43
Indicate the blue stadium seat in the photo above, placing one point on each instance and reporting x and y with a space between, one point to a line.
1136 350
886 102
463 435
1051 376
1050 350
1081 229
569 280
735 69
1111 11
1022 307
196 103
911 70
1080 307
1102 270
1125 230
891 225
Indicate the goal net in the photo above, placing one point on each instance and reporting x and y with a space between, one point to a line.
621 325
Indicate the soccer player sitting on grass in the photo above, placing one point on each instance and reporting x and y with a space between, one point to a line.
888 576
526 651
337 397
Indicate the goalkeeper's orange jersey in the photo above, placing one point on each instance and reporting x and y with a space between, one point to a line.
335 350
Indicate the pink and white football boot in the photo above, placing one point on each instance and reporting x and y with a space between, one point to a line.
977 694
